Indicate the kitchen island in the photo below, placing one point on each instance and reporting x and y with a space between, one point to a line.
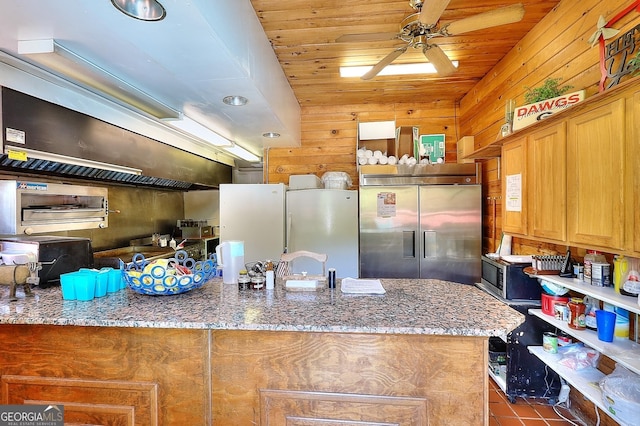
416 355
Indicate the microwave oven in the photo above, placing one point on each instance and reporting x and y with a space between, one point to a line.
508 281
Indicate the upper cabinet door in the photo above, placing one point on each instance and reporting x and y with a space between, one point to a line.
596 177
547 183
633 172
514 187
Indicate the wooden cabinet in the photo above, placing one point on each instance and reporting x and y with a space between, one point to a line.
596 176
514 184
633 173
547 165
580 175
539 160
108 376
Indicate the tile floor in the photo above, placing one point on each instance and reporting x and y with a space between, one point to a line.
524 411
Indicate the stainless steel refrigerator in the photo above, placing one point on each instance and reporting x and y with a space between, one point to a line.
426 225
324 221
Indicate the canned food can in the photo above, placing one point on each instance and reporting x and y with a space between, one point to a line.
550 342
564 339
600 275
561 311
332 278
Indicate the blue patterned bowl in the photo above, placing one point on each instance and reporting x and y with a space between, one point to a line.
163 277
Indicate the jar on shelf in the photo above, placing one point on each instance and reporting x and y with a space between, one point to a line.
577 310
591 257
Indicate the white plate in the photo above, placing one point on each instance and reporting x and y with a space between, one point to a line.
511 258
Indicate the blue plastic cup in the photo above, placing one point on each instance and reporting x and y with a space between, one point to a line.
68 284
85 283
606 323
113 284
102 282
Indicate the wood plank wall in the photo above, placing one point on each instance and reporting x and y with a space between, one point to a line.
329 136
556 47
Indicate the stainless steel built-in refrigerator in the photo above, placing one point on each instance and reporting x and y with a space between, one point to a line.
422 226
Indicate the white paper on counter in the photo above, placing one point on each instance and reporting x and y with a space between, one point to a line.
359 286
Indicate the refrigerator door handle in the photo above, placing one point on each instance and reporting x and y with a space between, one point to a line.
430 244
408 244
288 232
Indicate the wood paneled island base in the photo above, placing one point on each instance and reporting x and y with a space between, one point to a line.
415 355
151 376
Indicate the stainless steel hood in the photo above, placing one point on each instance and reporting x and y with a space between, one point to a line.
42 138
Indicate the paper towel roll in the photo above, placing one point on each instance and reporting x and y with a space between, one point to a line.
505 245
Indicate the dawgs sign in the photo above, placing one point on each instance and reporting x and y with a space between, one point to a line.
528 114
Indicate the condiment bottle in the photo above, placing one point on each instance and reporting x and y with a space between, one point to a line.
590 306
270 275
620 267
576 313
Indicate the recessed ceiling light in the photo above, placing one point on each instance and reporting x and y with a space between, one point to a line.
145 10
235 100
271 135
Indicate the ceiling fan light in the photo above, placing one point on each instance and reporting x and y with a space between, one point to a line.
394 69
145 10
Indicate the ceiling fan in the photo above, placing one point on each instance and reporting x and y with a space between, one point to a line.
419 28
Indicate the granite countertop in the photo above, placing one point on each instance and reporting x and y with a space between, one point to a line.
409 306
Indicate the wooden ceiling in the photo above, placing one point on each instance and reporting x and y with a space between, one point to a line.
303 34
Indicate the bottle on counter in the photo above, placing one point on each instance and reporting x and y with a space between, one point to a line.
270 276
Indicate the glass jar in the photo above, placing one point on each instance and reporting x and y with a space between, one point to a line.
257 282
244 282
577 313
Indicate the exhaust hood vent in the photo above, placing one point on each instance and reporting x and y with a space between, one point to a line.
57 141
54 168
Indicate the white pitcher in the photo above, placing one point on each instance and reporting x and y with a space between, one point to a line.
230 257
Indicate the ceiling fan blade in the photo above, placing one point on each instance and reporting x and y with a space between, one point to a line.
432 11
439 59
356 38
383 63
492 18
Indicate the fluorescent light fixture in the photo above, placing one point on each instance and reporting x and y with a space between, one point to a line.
66 64
47 156
394 69
239 151
196 129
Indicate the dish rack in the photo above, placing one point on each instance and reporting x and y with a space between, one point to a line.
284 271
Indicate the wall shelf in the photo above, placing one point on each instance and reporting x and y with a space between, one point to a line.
606 294
621 350
584 381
